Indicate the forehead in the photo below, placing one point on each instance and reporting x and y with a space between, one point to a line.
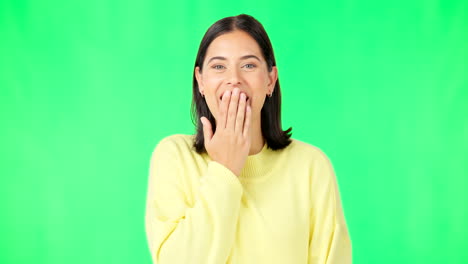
233 44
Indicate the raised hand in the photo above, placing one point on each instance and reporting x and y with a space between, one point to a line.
231 142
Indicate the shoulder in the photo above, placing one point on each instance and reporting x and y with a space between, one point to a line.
177 139
320 167
304 150
173 144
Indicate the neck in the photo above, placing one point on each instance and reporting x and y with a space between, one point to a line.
257 137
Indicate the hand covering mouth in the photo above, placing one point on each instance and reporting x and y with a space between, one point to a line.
247 99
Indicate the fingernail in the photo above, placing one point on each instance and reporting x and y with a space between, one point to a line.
227 92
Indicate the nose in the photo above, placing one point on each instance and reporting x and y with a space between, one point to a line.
234 77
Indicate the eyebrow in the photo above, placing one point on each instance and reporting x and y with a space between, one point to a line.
242 58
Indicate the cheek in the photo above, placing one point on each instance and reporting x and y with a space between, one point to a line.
210 96
258 80
212 87
210 83
258 103
212 79
258 84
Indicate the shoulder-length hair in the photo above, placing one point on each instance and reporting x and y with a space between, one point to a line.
275 137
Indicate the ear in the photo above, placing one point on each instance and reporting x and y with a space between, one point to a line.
198 76
272 78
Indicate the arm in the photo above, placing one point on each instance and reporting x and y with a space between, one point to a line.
178 232
329 241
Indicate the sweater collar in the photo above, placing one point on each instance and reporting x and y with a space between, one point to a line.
259 165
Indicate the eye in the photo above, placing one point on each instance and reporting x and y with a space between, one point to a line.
250 66
217 67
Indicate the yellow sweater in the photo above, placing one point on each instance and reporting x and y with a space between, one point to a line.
284 208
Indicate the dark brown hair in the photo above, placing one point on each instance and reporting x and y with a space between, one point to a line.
274 136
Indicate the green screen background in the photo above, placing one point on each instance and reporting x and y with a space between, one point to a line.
88 88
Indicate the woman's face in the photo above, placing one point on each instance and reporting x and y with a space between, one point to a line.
235 60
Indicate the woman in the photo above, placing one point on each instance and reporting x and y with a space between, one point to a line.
241 190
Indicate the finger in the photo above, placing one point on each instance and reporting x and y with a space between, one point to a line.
223 108
207 131
247 124
232 111
240 114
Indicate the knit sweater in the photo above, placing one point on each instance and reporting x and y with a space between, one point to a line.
284 207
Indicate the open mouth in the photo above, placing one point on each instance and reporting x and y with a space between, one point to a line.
221 98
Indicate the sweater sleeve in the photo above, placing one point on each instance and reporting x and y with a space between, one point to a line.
178 231
329 241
